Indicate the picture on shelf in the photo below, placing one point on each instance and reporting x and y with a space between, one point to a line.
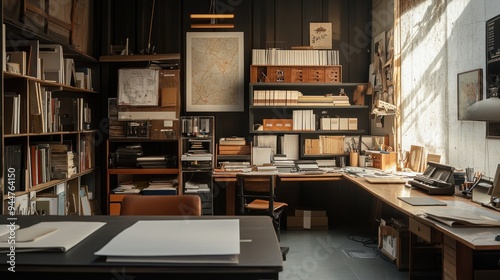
138 87
320 35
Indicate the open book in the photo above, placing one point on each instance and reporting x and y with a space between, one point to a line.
50 236
461 218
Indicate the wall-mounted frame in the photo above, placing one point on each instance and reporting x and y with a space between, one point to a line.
469 90
214 72
493 130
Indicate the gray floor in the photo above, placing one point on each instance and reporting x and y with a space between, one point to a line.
324 254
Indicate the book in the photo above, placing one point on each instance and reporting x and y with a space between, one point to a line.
65 237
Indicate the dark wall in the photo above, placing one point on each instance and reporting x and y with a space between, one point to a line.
262 21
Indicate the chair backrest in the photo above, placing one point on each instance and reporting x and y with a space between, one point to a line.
256 186
169 205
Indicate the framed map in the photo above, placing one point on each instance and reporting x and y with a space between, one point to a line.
214 71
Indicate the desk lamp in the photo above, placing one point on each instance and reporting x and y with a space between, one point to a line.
487 110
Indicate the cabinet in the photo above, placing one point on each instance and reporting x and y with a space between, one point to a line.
198 158
50 134
276 109
153 127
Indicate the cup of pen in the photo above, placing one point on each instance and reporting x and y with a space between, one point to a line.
353 158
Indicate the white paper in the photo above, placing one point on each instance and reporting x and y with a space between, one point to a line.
162 239
67 235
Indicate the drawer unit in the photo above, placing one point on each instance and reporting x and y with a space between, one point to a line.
315 75
385 162
425 232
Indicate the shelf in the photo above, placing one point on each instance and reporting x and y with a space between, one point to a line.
267 132
52 85
134 140
52 183
325 106
140 57
69 50
143 171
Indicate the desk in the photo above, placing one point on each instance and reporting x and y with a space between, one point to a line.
229 179
461 247
259 259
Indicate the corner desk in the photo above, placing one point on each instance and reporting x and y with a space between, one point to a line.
260 256
467 252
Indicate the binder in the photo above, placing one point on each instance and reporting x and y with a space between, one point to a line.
53 62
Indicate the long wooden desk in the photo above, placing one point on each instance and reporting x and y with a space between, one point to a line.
260 255
462 247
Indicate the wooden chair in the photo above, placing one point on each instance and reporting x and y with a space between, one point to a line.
256 194
169 205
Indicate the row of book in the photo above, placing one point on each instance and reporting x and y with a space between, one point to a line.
295 57
46 113
65 198
294 97
45 62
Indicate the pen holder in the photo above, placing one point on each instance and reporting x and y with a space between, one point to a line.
353 159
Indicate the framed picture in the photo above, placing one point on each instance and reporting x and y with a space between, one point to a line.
320 35
493 130
469 90
214 72
113 108
138 87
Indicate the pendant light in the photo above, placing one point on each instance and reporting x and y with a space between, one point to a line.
213 17
487 110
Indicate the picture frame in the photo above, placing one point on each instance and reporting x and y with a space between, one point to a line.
493 130
138 86
113 108
469 90
320 35
214 72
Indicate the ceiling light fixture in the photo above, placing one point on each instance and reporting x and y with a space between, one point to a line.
213 16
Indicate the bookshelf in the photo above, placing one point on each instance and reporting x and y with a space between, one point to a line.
50 132
153 127
276 110
198 158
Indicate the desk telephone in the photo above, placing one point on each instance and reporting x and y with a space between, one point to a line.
437 179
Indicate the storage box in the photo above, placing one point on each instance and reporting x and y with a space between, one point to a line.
307 219
393 242
384 161
278 124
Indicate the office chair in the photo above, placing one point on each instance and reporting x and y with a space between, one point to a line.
256 193
169 205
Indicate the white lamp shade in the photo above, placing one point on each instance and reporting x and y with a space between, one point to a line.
487 110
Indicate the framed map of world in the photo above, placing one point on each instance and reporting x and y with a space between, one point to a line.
214 72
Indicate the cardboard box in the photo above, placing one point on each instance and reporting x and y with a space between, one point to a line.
393 242
307 219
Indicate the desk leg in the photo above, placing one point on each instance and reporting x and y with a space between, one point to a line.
230 201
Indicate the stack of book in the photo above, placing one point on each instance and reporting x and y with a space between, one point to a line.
127 187
161 186
196 187
233 146
62 161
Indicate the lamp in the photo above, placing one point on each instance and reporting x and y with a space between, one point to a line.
213 18
487 110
